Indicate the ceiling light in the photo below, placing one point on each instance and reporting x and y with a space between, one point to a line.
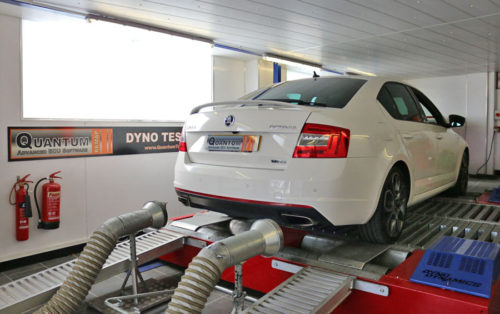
292 62
125 22
361 72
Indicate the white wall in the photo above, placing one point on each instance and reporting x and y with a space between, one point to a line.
465 95
251 76
266 73
93 189
229 78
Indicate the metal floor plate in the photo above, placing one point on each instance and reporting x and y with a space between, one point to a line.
200 220
353 254
427 222
311 290
28 292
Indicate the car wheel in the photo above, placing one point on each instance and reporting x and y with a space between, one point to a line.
460 187
387 222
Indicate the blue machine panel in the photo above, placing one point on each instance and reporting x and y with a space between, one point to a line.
495 196
457 264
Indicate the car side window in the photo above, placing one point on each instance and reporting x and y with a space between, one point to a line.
432 114
429 117
386 100
404 102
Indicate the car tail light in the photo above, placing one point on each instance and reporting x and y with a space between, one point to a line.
322 141
182 142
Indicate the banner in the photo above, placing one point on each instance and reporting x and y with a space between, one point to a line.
27 143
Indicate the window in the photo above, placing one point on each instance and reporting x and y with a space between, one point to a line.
432 114
323 92
429 117
386 100
73 69
403 105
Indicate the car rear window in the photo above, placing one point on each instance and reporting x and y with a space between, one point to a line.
323 92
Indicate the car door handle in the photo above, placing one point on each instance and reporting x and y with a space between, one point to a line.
439 137
407 136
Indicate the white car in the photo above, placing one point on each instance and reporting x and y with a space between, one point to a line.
322 151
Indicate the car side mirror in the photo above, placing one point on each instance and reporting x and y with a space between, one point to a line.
456 121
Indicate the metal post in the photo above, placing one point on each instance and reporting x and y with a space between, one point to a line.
133 267
238 293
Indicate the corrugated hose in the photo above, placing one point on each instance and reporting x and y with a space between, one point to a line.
75 288
264 237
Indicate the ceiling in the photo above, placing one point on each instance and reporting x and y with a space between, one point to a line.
408 38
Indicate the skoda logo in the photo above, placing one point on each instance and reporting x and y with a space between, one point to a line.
229 120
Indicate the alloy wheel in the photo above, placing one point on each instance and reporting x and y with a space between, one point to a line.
394 205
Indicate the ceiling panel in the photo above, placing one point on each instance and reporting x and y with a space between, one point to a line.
362 12
411 38
475 8
438 9
318 13
400 11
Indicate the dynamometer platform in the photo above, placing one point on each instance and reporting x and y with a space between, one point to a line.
315 272
377 277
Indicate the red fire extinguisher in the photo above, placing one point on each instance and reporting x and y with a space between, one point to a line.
23 208
49 217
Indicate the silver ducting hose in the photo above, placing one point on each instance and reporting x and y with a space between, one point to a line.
264 237
81 278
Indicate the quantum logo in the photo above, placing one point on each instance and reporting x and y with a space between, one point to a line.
24 140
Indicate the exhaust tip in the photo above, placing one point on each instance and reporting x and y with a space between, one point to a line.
272 233
298 220
183 200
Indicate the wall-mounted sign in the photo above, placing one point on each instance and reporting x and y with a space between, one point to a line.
27 143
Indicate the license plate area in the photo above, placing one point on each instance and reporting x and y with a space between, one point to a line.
233 143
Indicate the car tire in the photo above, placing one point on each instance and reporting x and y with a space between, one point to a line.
387 222
460 187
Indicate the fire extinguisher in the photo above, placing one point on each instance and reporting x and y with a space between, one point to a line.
51 203
23 207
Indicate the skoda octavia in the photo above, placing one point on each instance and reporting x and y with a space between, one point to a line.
321 152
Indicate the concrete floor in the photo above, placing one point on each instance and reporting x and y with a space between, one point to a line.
218 302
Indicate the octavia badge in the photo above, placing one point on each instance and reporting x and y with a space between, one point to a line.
229 120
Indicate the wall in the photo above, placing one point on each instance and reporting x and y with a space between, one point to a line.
258 74
465 95
251 75
93 189
266 71
228 78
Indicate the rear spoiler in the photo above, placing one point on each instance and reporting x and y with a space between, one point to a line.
245 103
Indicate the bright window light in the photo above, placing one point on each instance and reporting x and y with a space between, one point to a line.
73 69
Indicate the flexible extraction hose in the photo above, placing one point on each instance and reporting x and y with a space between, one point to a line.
78 283
264 237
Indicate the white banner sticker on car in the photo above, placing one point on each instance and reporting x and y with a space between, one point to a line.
233 143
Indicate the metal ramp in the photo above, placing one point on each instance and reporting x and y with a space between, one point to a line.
28 292
311 290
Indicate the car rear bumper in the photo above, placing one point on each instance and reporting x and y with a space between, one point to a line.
285 214
344 191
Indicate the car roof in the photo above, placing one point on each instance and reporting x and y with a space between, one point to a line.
373 79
